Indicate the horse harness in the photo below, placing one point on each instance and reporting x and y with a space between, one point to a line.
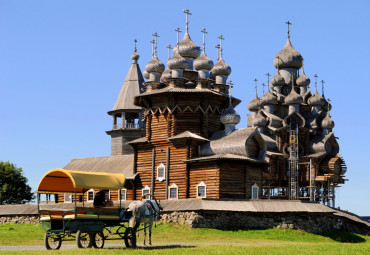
149 205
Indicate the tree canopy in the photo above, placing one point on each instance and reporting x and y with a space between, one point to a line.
13 185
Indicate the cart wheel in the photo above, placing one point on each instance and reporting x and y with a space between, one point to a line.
130 238
52 241
97 240
83 239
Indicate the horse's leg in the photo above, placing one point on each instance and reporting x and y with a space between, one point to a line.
144 231
150 231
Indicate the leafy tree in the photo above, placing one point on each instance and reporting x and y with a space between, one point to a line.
13 185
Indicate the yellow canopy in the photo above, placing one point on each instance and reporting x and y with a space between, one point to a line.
66 181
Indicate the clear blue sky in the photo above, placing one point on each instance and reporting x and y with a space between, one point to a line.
62 64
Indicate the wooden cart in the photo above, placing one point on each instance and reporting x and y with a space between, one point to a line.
88 226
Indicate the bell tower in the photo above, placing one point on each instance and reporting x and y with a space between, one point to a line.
127 122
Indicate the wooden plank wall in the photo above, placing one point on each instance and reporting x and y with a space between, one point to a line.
209 173
233 180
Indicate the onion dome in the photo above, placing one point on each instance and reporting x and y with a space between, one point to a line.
221 68
135 56
175 50
211 76
277 80
254 105
316 99
146 74
293 97
155 66
187 48
203 62
230 116
327 122
259 120
288 57
177 62
303 80
165 75
326 106
268 98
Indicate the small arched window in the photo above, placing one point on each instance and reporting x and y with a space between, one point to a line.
255 190
173 192
123 194
90 195
161 172
201 190
146 192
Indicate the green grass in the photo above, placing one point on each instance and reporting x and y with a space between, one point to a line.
297 242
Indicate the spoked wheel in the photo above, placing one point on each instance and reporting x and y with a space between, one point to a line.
52 241
130 238
83 239
97 240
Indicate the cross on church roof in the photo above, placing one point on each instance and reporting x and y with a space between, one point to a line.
230 83
135 41
187 12
218 51
178 31
169 50
322 87
152 42
204 38
263 88
329 100
155 42
268 81
316 81
221 39
288 23
255 85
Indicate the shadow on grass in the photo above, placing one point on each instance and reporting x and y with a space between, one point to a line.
344 237
159 247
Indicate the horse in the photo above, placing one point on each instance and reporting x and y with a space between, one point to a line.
146 212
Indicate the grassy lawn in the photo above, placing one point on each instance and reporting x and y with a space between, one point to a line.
297 242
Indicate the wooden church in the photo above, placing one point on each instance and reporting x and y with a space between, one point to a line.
173 134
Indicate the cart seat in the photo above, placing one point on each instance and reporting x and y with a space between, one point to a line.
53 217
92 216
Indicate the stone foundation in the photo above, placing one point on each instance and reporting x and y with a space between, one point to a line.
31 219
309 222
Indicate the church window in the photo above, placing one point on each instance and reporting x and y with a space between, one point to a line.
107 195
201 190
146 192
255 189
161 172
173 191
90 195
123 193
67 198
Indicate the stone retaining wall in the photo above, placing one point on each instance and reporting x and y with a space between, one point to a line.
309 222
26 219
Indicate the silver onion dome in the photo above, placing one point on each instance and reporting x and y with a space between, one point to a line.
277 80
316 100
327 122
203 62
293 97
146 74
288 57
177 62
221 68
259 120
268 98
254 105
187 48
135 56
303 80
165 75
155 66
230 116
